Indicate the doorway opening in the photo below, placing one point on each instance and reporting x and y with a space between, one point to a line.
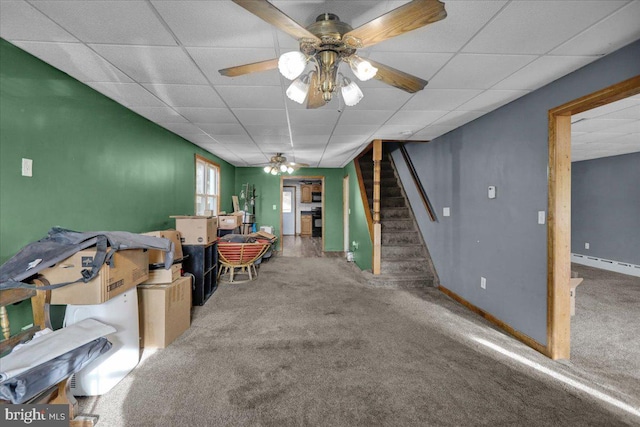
559 224
301 216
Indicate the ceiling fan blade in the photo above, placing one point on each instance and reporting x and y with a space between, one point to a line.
398 78
250 68
314 96
405 18
274 16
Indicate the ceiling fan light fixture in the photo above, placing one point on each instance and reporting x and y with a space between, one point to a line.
274 171
267 169
283 168
351 93
298 89
362 68
290 170
292 64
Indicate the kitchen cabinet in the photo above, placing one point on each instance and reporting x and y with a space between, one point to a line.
316 188
305 193
306 225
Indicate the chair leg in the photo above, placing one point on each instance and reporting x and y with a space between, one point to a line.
231 270
249 271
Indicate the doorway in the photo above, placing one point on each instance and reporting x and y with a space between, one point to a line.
288 211
559 224
345 212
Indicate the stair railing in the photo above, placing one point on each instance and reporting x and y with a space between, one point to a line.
418 184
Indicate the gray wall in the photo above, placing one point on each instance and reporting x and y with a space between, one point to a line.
500 239
605 208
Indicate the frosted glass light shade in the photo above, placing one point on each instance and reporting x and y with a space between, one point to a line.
267 169
292 64
290 170
283 168
351 93
362 68
297 91
274 171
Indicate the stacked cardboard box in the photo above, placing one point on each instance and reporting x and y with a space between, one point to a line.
197 230
164 300
230 221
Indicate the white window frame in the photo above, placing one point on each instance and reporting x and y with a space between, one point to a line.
215 195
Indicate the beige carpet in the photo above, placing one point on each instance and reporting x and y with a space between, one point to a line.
308 344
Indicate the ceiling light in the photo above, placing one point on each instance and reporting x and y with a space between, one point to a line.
292 64
274 171
267 169
278 164
361 68
351 93
298 90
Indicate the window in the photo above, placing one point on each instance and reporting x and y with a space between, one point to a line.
207 187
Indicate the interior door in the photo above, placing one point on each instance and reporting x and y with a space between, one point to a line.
289 211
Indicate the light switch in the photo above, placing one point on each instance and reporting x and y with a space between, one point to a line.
27 167
492 192
541 217
446 212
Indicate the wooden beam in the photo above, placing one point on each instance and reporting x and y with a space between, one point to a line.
377 227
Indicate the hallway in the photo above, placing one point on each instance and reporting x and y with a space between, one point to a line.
309 343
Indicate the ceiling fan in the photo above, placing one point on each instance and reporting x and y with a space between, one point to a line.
328 41
278 164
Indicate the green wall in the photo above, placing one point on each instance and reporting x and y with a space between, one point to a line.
358 228
96 164
268 192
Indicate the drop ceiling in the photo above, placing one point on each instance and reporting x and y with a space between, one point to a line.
161 60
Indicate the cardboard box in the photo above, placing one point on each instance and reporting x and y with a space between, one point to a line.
197 230
231 221
127 269
162 275
165 312
157 256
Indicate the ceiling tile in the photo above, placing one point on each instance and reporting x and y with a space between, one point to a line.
20 21
211 60
415 118
159 114
254 116
382 99
347 129
127 94
310 141
240 140
214 23
458 118
252 96
440 99
182 128
464 19
365 117
322 116
487 70
207 115
542 71
75 59
152 64
309 130
492 99
536 27
422 65
631 102
598 125
119 22
583 138
606 36
268 130
397 132
431 132
202 139
222 129
178 95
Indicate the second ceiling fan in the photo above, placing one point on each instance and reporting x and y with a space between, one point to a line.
329 41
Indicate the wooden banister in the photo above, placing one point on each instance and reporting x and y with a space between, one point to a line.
418 184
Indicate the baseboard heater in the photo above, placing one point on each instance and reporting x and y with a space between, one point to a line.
607 264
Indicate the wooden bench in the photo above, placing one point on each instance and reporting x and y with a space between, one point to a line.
59 392
240 255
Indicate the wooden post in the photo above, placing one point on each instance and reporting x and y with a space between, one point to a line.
377 228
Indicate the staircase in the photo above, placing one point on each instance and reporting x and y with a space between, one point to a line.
405 261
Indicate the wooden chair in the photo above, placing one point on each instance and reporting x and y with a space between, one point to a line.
240 255
56 393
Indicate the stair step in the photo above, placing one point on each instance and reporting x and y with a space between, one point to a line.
393 202
395 212
403 224
395 281
390 191
404 266
406 251
401 237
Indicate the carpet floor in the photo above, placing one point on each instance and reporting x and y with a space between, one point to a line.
310 344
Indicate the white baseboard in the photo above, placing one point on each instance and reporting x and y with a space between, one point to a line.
607 264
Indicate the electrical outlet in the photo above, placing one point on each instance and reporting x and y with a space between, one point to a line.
542 217
586 246
274 207
27 167
483 282
446 212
